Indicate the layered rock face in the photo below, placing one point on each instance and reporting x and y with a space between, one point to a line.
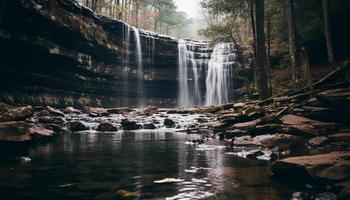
60 53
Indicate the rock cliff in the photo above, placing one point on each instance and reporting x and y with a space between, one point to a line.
59 53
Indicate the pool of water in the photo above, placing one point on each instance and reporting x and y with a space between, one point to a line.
125 165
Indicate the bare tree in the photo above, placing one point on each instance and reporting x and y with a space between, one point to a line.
327 31
293 41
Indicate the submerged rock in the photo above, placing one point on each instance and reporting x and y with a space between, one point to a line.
106 127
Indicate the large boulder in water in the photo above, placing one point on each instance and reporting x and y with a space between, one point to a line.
107 127
169 123
126 124
19 131
14 132
77 126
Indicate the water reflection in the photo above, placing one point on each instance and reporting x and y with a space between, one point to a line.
125 166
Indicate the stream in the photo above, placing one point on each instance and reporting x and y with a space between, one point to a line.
127 165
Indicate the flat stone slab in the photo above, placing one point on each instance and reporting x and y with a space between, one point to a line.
329 167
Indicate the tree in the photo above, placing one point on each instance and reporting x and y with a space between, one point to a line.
261 50
327 31
293 41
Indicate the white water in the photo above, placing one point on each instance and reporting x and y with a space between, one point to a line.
188 71
219 80
184 95
140 73
126 60
192 57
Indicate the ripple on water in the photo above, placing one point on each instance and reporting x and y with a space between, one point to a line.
191 195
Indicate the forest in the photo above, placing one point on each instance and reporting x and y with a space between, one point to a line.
174 99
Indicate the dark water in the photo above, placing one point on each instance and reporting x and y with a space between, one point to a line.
125 166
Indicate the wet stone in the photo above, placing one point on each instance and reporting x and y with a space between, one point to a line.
168 123
106 127
77 126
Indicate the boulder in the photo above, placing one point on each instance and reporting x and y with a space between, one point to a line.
328 167
306 127
107 127
19 131
45 120
16 131
16 114
54 111
71 110
169 123
38 132
77 126
126 124
97 112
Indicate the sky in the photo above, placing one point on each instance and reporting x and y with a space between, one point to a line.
191 7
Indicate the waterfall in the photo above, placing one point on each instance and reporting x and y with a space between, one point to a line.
126 61
184 95
140 74
188 71
219 81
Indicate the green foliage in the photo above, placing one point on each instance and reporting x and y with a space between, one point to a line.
309 20
156 15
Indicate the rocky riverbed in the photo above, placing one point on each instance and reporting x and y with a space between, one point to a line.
306 140
304 136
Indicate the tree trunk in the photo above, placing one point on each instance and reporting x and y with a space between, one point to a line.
261 50
327 31
293 42
268 55
252 19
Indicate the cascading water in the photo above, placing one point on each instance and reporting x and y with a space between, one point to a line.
184 95
192 57
219 80
188 70
140 73
126 61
